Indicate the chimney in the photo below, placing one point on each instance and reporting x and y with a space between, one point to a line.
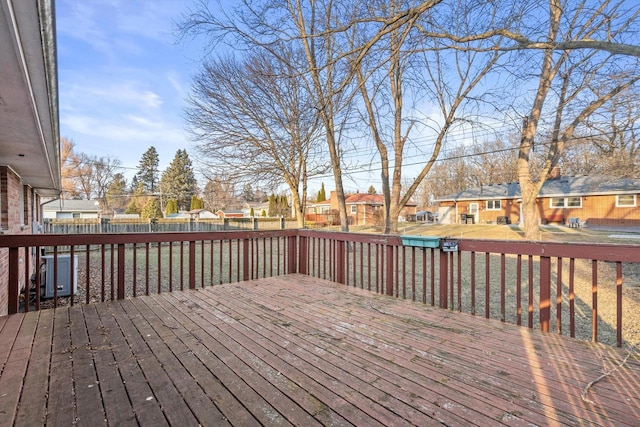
554 173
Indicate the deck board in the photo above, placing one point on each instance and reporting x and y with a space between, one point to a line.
295 350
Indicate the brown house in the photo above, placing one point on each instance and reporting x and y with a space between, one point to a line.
29 135
595 200
361 209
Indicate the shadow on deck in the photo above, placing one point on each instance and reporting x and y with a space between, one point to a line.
303 351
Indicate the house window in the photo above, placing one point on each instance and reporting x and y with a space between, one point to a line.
626 201
574 202
354 209
565 202
493 205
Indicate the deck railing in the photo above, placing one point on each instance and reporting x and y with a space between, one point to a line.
576 289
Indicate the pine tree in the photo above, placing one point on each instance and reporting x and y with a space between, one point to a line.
272 205
137 201
284 206
148 170
171 208
117 192
196 203
322 196
151 210
178 180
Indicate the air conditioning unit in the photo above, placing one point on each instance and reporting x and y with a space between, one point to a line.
64 275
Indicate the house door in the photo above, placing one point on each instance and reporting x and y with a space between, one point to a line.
473 210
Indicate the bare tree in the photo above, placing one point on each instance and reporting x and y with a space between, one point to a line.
613 135
254 121
73 169
575 79
446 79
219 193
319 29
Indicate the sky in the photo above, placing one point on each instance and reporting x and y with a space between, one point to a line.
123 78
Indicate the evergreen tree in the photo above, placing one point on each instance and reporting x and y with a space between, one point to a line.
252 213
178 180
171 208
117 192
151 209
137 201
148 170
196 203
284 206
322 196
272 205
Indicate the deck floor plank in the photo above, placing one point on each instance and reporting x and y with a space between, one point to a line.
362 385
37 375
168 379
147 411
205 393
297 350
300 387
8 334
114 394
470 363
61 392
416 389
89 406
390 342
241 380
23 331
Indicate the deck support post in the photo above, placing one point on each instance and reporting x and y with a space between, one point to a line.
444 269
545 293
192 265
389 269
245 259
303 254
340 264
14 280
292 255
120 293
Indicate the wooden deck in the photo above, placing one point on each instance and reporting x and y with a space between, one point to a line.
302 351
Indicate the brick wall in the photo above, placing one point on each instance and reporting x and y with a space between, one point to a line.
16 215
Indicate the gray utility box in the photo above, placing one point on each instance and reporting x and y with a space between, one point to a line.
64 275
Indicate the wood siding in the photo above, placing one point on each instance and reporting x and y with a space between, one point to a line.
595 210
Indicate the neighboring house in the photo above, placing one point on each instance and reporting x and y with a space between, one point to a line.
29 134
361 209
71 209
595 200
259 209
201 214
230 214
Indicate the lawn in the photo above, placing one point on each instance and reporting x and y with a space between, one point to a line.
550 233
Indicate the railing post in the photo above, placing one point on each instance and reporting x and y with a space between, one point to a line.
245 257
120 270
302 255
14 280
340 265
389 268
444 274
292 252
192 264
545 293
